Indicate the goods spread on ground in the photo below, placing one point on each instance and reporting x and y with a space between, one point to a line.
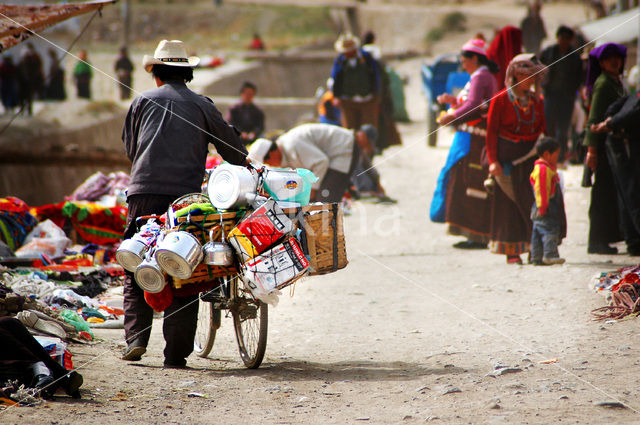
255 223
622 288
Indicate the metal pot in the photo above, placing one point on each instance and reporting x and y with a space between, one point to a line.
217 253
149 277
178 254
131 253
230 186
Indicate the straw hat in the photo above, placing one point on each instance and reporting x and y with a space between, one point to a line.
170 53
346 43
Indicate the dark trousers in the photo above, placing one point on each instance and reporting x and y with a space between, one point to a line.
624 159
125 87
19 350
604 221
356 114
181 318
333 186
557 112
335 183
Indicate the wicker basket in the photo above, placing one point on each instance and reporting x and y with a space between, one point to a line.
204 273
196 224
323 238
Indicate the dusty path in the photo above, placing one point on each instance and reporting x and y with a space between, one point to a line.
406 334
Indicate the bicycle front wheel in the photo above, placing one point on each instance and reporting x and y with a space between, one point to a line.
250 321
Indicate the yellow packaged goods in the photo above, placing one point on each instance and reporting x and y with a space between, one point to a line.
260 230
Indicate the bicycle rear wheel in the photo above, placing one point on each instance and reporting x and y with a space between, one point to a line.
250 321
208 324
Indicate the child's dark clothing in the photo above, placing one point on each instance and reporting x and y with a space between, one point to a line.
547 213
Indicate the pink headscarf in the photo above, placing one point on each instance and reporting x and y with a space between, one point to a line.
475 45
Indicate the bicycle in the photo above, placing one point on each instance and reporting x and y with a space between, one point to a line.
250 320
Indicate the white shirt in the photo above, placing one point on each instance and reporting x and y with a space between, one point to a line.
317 147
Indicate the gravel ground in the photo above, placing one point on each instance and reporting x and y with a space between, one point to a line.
411 331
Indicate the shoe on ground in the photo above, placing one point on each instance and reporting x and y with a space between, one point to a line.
175 364
537 262
134 351
384 199
45 384
514 259
71 384
602 249
470 245
31 320
555 260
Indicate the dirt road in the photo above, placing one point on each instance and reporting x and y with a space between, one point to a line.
411 331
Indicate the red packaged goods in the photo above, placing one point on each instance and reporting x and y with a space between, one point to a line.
260 230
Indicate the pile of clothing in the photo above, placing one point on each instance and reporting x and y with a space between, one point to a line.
15 222
105 189
622 287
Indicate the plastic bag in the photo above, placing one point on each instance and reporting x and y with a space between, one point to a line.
45 238
76 320
308 179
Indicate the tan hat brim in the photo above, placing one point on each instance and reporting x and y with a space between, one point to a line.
148 62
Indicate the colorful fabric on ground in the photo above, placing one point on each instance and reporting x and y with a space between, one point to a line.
15 221
544 180
93 223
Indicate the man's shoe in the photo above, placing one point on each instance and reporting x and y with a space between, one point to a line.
602 249
71 384
134 351
175 364
554 260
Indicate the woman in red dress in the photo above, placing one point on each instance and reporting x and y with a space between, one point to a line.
515 121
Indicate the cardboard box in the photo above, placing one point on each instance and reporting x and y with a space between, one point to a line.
275 268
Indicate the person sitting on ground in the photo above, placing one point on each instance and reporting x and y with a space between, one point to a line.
331 152
245 116
547 212
23 358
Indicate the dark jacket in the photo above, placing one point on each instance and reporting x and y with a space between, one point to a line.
246 118
166 136
566 73
625 117
338 67
606 91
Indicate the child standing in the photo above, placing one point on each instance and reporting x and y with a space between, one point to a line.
547 212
